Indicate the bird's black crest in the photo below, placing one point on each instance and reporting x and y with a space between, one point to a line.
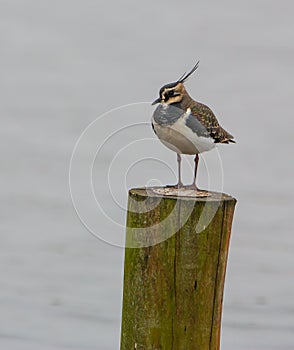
185 76
182 79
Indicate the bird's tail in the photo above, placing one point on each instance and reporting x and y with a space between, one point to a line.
225 137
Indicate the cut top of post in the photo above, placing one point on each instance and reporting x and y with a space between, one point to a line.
180 193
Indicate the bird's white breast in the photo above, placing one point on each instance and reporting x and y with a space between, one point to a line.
182 139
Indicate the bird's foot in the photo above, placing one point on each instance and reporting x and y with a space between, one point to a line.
176 186
197 192
193 187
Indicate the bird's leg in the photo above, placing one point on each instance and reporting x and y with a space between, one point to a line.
179 160
179 184
196 160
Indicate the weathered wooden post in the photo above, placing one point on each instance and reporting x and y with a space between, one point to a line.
175 263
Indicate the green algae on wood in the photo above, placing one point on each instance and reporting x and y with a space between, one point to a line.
173 290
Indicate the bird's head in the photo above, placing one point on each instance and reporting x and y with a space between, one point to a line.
174 92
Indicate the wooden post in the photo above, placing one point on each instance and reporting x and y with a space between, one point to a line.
173 290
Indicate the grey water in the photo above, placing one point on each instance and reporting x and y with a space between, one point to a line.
65 63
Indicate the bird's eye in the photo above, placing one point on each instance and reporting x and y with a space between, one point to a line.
171 93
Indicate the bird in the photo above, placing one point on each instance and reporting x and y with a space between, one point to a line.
186 126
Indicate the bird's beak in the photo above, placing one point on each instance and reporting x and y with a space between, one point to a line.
156 101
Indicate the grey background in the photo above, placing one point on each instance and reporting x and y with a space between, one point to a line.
63 63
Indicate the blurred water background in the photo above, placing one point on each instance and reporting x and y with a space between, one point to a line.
64 63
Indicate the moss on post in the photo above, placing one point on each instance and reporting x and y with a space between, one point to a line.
173 290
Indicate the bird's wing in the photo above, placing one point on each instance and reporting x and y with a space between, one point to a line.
207 118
